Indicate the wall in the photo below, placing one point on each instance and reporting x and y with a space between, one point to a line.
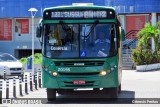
134 6
12 37
19 8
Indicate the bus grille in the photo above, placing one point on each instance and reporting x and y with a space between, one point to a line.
79 63
78 74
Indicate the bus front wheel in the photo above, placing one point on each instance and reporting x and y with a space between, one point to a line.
51 94
119 89
113 92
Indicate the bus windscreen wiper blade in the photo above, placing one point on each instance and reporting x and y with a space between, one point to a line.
93 26
63 26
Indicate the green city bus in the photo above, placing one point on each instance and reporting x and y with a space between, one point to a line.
81 49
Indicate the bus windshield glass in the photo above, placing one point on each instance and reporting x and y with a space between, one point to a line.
79 40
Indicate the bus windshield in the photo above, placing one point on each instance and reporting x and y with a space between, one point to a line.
79 40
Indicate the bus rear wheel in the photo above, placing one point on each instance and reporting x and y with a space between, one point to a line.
51 94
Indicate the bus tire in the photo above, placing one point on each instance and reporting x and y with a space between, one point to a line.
65 91
113 92
119 89
51 94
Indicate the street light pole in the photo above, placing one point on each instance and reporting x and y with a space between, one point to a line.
33 13
32 44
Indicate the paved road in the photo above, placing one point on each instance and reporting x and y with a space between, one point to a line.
134 85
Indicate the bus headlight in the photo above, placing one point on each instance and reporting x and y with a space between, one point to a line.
55 74
103 73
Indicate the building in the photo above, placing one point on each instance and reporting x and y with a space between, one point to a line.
15 20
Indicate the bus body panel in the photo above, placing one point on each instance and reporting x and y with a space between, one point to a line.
97 81
110 80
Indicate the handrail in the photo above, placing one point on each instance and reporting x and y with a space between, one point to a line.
129 43
134 40
131 32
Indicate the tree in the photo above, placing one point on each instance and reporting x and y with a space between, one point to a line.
146 34
143 54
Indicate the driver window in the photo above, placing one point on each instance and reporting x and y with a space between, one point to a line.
54 36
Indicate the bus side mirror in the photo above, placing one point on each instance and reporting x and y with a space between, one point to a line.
123 34
38 31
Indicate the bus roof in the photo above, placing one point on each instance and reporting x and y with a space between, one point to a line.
78 7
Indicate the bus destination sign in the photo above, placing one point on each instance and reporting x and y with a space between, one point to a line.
79 14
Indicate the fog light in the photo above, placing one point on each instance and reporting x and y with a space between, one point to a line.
103 73
55 73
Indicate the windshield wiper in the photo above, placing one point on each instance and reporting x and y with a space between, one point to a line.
63 26
91 29
93 26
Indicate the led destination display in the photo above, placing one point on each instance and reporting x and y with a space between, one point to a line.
79 14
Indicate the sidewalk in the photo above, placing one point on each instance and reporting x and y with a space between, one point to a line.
40 93
17 87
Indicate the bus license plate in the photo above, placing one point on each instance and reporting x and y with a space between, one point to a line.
79 82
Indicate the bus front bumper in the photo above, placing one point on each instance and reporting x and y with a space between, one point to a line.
110 80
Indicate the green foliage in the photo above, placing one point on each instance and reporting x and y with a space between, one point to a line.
143 54
23 60
144 36
145 57
37 59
